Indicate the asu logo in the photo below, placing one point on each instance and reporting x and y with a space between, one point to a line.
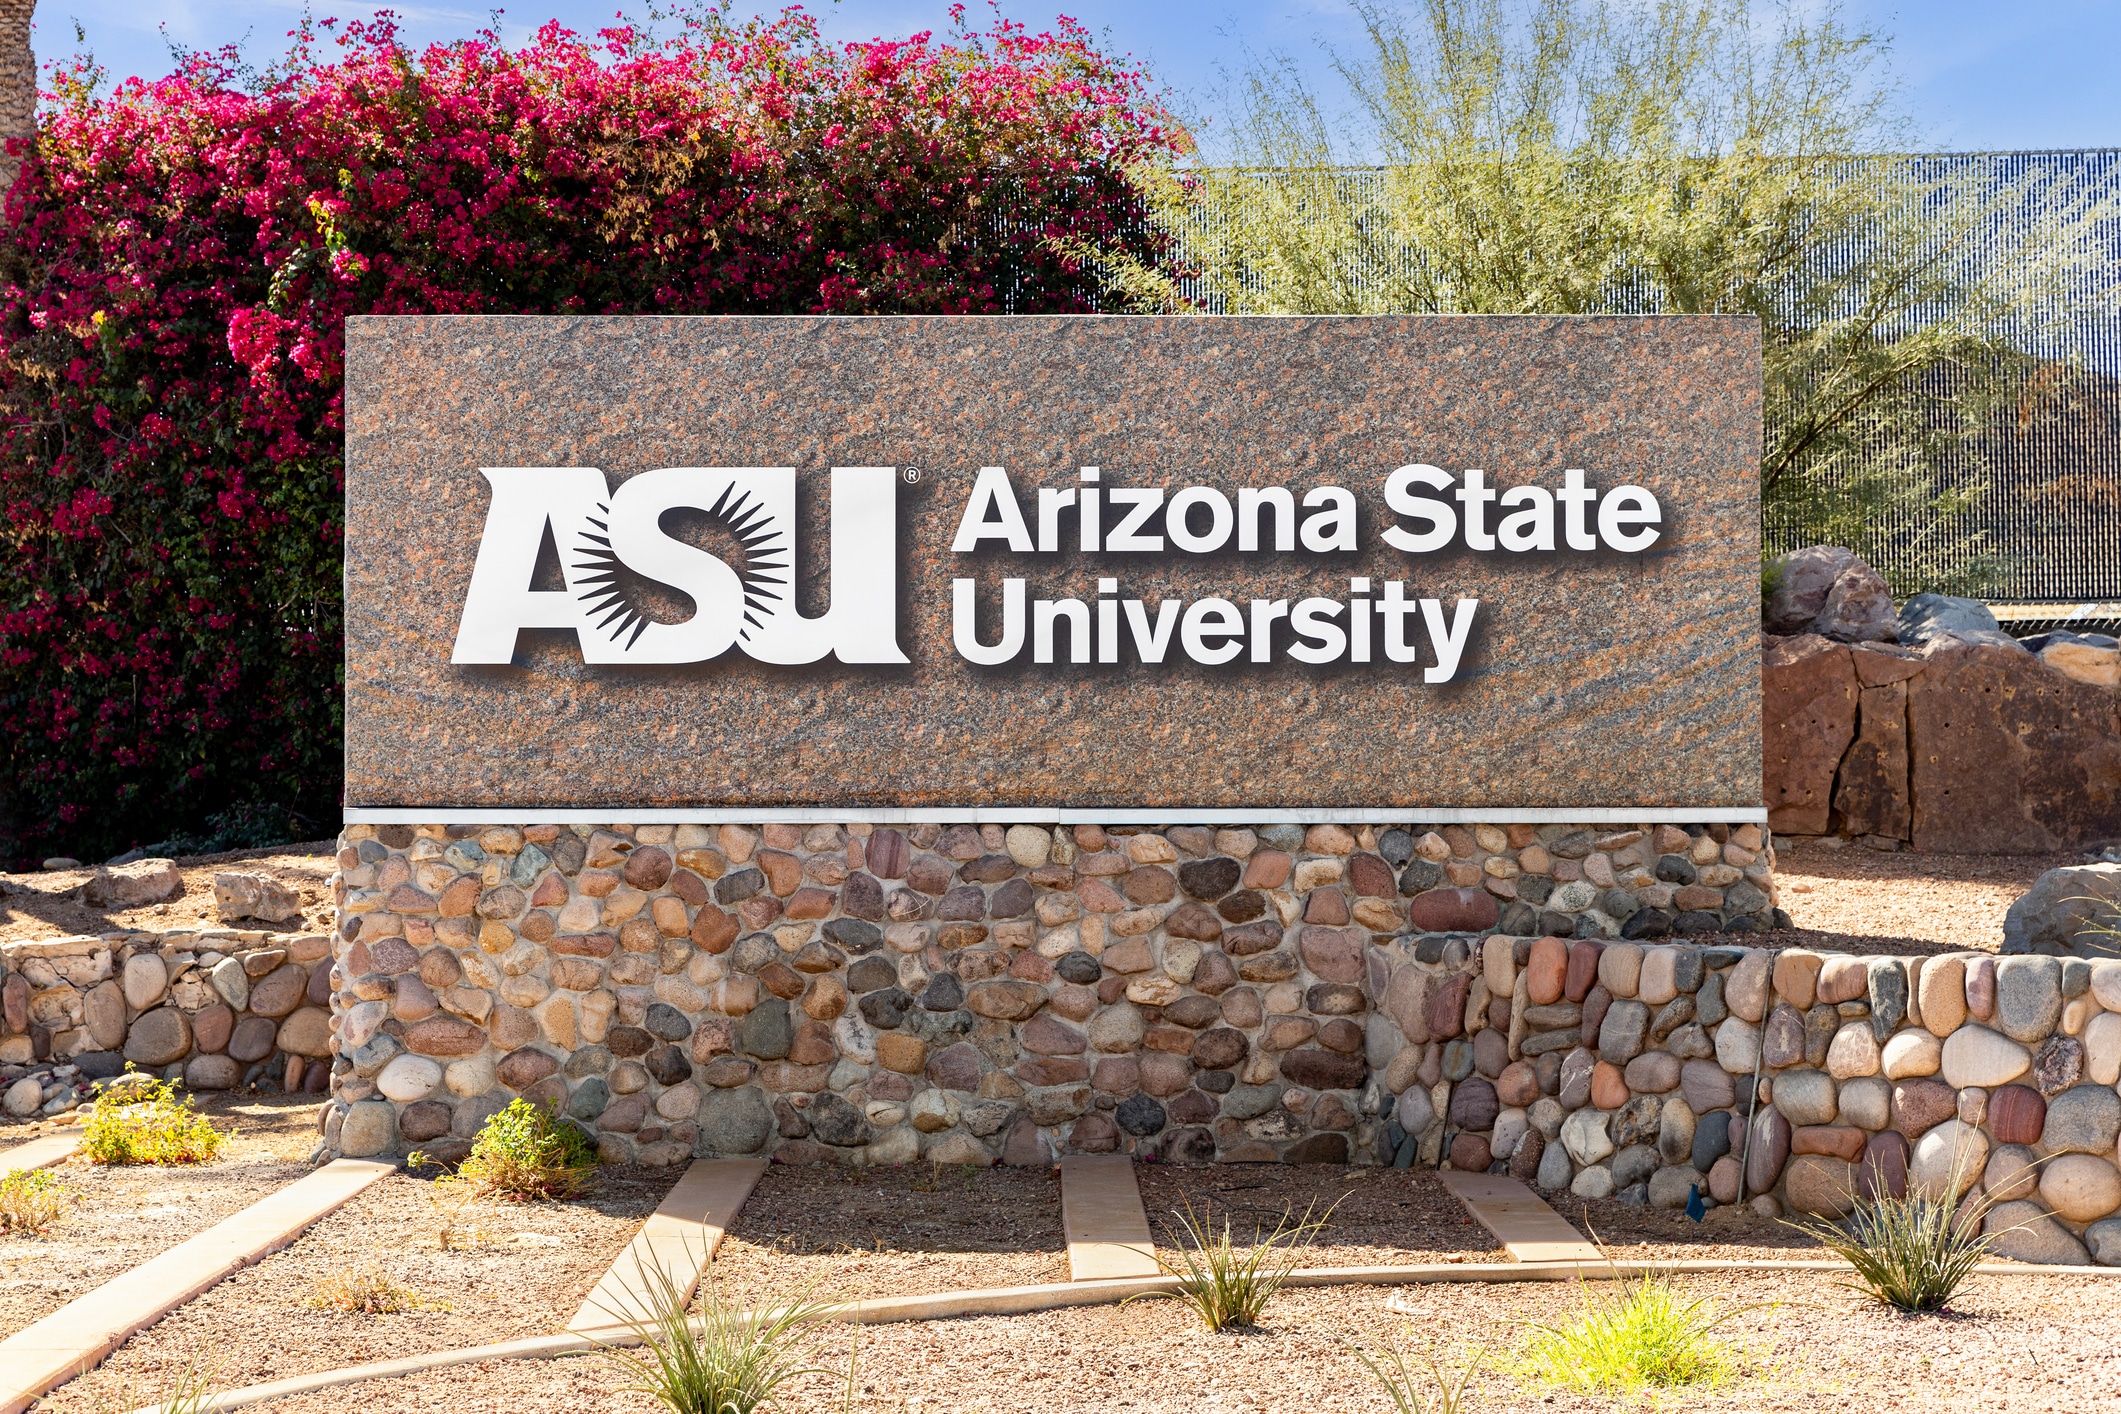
600 532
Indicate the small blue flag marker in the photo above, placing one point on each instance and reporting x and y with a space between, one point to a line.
1695 1208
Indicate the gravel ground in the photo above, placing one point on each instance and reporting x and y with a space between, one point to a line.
1805 1344
120 1217
526 1272
895 1232
1378 1217
48 905
1859 900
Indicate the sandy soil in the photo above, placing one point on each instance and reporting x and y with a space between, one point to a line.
48 905
1805 1344
520 1270
893 1232
120 1217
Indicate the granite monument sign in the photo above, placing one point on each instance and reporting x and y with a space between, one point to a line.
1338 567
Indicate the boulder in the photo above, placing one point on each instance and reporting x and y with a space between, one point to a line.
1975 1055
1584 1135
2028 997
247 894
1806 1097
2015 758
2023 1232
2066 912
370 1128
1924 616
2080 660
1940 995
1953 1153
2104 1239
1820 1184
1883 1169
1809 694
158 1038
212 1073
1917 1053
134 885
2080 1188
1866 1102
2084 1119
2013 1172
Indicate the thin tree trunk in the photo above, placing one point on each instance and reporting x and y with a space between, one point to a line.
18 87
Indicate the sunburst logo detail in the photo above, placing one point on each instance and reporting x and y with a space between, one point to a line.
603 579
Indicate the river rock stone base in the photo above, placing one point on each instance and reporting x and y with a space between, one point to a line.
967 994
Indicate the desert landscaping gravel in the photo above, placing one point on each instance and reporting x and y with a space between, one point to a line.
49 904
118 1218
2019 1344
520 1270
895 1232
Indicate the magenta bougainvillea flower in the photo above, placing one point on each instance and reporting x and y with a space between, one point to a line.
184 253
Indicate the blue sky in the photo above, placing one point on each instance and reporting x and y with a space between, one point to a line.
1977 75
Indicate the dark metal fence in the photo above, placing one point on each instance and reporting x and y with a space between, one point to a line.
2051 510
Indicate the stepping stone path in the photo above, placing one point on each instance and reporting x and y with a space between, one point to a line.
679 1239
75 1337
1528 1229
39 1153
1102 1215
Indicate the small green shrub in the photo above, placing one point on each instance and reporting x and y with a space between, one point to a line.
145 1123
1409 1389
1642 1336
1911 1253
721 1359
31 1200
526 1151
1226 1286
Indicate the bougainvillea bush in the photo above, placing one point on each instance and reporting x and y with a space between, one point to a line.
184 253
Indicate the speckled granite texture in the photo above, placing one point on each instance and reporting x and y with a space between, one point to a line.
1592 680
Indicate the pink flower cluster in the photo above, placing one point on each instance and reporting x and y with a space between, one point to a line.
185 252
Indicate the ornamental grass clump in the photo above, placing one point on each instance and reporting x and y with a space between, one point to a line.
1228 1286
145 1123
31 1200
1911 1253
1429 1390
371 1291
525 1152
720 1358
1643 1335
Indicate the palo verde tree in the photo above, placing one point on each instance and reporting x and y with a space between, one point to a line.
1582 157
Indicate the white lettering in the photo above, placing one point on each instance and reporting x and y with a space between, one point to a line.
1220 520
1050 504
1124 537
1250 500
1264 613
1449 644
991 513
1151 646
1475 496
964 631
1334 527
1044 612
1574 496
1210 619
1443 521
1529 529
1626 506
1311 622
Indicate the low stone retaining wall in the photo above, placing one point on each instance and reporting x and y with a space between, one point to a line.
217 1007
955 994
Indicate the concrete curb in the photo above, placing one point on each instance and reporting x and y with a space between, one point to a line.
1024 1300
76 1337
39 1153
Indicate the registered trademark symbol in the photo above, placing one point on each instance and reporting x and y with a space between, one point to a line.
913 474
